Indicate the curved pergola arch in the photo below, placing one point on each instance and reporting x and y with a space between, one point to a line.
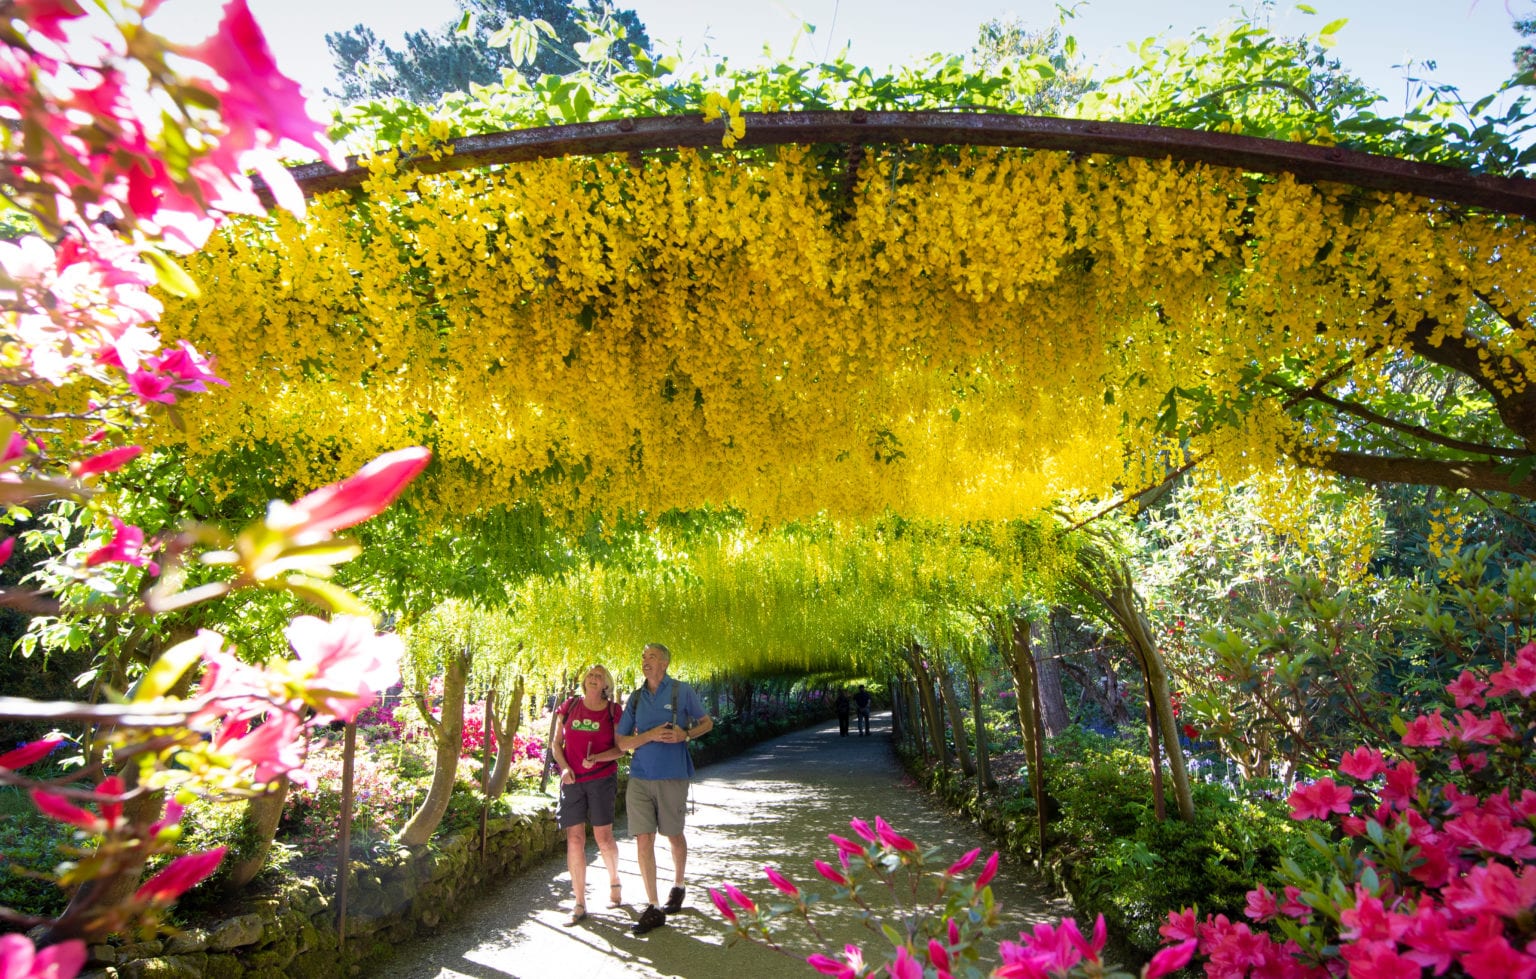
1307 162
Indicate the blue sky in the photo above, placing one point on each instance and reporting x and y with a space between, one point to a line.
1469 41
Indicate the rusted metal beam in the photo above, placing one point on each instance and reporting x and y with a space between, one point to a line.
1512 195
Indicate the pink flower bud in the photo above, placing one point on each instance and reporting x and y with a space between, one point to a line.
740 899
28 753
862 829
845 847
829 872
180 876
105 462
1170 959
890 838
963 864
721 905
988 872
938 955
320 514
783 883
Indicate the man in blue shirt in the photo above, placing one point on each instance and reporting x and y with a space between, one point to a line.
658 722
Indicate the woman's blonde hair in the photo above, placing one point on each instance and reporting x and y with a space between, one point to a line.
601 671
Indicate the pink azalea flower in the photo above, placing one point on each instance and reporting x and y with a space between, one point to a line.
1292 907
1493 729
1425 731
19 959
1489 833
906 966
105 462
1402 785
1467 689
1496 958
179 876
852 966
191 371
46 17
1369 920
1319 800
1170 959
1378 960
125 547
862 829
829 872
1262 905
256 95
272 749
1364 763
348 661
1492 888
722 905
320 514
1518 677
1429 939
1180 925
784 884
149 386
963 864
30 753
988 871
892 839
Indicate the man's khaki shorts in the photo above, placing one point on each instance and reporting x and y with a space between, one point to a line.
656 804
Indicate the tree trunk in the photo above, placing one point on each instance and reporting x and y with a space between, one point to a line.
985 782
1053 700
258 824
956 719
1021 663
930 706
449 735
504 725
1125 607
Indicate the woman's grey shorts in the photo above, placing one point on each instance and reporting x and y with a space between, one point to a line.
588 802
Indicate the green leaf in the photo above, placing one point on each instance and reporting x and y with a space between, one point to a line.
162 676
327 595
464 23
171 276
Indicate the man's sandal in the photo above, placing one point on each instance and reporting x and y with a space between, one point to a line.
615 896
578 915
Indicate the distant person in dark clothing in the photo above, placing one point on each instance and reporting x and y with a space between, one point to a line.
862 700
842 706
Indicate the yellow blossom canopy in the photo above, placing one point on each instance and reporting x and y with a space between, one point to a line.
961 334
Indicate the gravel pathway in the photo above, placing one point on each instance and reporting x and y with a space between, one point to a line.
772 805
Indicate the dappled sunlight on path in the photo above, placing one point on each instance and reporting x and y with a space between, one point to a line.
773 805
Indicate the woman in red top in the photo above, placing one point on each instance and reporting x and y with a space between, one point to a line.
587 753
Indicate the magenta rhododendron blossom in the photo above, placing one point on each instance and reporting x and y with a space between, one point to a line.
180 876
348 662
1261 907
1320 799
20 959
320 514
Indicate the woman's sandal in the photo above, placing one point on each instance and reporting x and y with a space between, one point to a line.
615 896
578 915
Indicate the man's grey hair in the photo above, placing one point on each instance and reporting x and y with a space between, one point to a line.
666 654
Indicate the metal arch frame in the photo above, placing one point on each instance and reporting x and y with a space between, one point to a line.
1510 195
